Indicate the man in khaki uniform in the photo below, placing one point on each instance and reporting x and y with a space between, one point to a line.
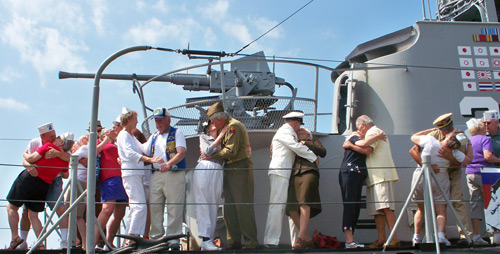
444 126
238 184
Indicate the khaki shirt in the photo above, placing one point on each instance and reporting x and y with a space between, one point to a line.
234 143
440 137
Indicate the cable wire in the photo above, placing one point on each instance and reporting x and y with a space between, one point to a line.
273 28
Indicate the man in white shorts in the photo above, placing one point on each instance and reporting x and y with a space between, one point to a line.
380 181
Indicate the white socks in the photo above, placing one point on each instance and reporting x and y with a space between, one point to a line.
24 235
64 234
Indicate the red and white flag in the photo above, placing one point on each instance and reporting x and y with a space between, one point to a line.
484 74
464 51
495 51
482 62
495 62
485 86
470 86
480 51
466 62
496 74
468 74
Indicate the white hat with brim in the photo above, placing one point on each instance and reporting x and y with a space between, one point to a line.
48 127
295 115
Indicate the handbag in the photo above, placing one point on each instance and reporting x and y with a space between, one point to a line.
325 241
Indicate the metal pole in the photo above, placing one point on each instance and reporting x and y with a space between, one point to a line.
223 84
73 162
450 206
56 205
44 236
408 199
423 9
316 81
91 169
430 213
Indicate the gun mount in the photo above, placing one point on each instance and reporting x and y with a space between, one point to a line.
246 90
249 75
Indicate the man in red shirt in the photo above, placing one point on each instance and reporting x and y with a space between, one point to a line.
34 188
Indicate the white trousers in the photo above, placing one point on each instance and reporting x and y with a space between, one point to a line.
277 200
207 190
136 191
170 188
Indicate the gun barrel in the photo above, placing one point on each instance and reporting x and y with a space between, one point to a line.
65 75
178 79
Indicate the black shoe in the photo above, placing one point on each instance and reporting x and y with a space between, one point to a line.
174 245
463 242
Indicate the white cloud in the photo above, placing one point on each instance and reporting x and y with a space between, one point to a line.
12 104
263 25
215 12
156 33
45 33
161 6
238 31
99 10
8 74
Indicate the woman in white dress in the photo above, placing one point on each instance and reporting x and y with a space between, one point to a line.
133 173
207 179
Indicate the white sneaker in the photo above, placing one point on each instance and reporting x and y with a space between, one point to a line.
64 244
496 238
480 241
209 245
354 245
444 240
415 241
22 246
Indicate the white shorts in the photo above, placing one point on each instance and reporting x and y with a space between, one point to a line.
380 196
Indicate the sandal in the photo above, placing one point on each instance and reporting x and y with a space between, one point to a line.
41 247
14 243
299 244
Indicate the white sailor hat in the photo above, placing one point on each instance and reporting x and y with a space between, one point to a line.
461 138
48 127
125 110
490 114
117 120
67 136
472 123
295 115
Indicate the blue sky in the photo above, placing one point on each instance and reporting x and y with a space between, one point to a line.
39 38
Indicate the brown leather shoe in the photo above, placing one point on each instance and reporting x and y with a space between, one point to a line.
375 245
395 243
248 247
233 246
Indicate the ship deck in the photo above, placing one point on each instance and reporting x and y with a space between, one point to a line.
406 248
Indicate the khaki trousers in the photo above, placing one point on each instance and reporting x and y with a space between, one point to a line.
169 187
456 194
239 213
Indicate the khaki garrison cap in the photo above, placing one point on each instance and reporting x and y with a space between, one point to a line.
215 108
444 121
